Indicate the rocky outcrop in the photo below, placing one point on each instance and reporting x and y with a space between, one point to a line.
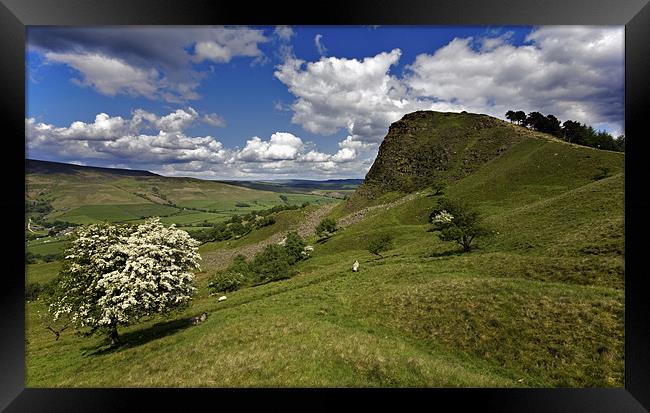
424 146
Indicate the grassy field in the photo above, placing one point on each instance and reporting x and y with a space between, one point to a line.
541 304
42 272
89 196
47 245
90 214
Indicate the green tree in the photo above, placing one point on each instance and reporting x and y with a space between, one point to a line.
457 222
547 124
520 117
294 245
552 126
534 120
511 115
620 143
378 243
239 264
271 264
326 228
573 131
226 281
239 229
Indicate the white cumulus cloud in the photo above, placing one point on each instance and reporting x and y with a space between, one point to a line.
171 151
359 95
573 72
281 146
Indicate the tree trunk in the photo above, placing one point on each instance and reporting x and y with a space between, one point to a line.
113 337
466 243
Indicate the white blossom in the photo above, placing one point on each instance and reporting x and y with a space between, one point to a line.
442 217
115 274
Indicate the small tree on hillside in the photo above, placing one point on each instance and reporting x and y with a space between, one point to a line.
115 275
457 222
271 264
511 115
294 245
326 228
379 243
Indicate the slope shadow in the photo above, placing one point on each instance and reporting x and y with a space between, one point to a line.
144 336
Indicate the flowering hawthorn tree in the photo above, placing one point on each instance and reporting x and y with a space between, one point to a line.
115 275
457 222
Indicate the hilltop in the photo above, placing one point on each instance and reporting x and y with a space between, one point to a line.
426 145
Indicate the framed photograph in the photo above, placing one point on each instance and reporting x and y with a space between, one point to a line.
346 203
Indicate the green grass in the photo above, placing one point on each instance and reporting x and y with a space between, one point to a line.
91 197
42 272
540 304
48 245
90 214
284 220
534 170
194 217
255 203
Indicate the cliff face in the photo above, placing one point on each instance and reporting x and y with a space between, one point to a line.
426 145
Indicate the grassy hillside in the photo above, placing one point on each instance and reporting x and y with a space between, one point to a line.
540 304
85 195
425 146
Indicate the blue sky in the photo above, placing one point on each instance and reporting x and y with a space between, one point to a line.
295 102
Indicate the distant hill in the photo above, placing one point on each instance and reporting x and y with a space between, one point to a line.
33 166
86 194
299 185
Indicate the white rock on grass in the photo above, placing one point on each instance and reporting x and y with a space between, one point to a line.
222 298
355 266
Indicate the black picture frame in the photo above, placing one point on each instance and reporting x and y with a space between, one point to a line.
15 15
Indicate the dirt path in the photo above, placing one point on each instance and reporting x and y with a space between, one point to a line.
222 258
357 216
